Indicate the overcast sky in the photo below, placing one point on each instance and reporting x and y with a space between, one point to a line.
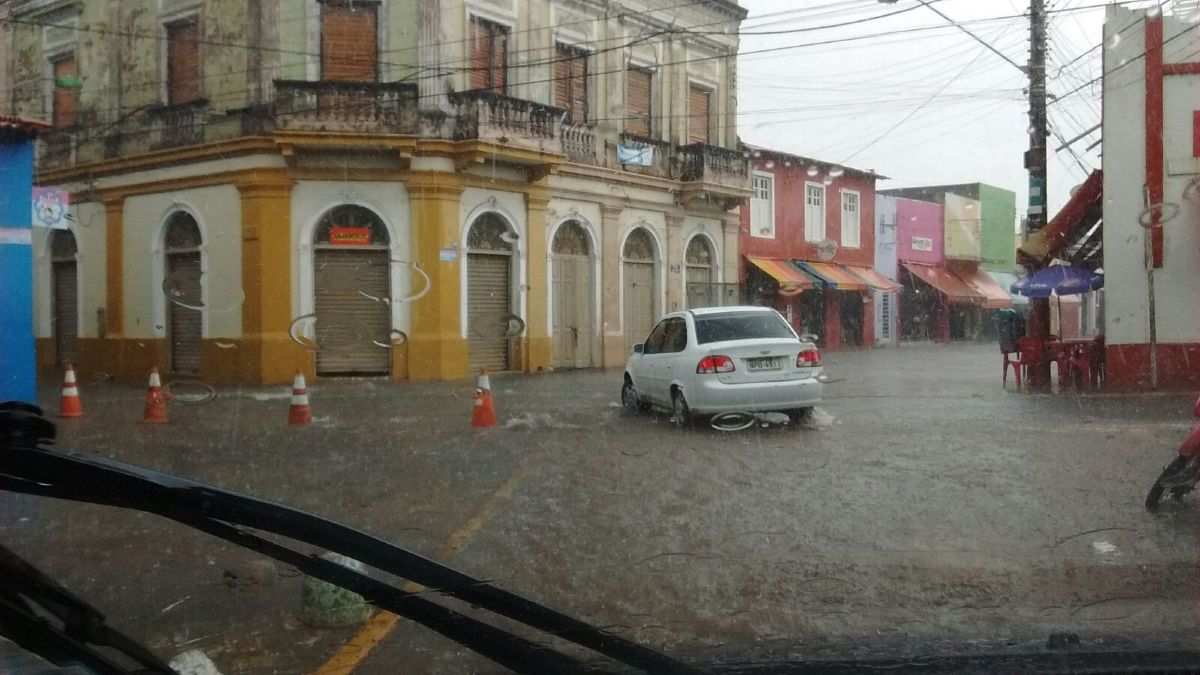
847 102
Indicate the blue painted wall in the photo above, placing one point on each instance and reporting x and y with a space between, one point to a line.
18 371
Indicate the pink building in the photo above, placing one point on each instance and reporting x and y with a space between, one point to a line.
919 231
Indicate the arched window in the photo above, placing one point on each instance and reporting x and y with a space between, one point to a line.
183 234
700 288
639 246
571 239
699 254
350 225
489 233
62 246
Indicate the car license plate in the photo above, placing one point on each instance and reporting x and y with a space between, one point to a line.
768 363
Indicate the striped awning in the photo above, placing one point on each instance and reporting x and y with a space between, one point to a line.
788 275
835 276
874 279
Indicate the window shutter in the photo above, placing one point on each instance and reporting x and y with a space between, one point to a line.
183 62
349 42
579 89
499 59
698 115
66 100
637 102
489 55
562 78
481 52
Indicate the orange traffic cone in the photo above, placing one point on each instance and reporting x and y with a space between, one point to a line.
299 412
69 404
156 401
484 414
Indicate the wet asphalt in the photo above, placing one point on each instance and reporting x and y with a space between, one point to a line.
922 505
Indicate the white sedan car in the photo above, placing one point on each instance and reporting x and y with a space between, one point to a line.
723 359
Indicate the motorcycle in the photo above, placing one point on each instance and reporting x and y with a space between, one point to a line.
1183 472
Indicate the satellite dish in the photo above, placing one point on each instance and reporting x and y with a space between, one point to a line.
826 250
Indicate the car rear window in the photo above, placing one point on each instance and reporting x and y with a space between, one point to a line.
722 327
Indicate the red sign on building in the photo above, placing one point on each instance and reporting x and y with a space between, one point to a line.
350 236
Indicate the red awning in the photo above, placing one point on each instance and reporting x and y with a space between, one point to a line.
21 125
944 281
874 279
1075 219
994 297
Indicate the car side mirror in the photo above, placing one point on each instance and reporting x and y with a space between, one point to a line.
639 348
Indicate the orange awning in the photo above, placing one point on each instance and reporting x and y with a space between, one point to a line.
955 289
874 279
994 297
784 272
834 275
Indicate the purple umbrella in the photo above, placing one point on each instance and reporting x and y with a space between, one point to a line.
1060 280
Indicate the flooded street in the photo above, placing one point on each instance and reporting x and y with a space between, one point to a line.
921 505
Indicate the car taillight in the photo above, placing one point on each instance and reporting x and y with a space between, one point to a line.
714 364
808 358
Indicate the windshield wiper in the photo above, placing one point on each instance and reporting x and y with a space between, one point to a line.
27 466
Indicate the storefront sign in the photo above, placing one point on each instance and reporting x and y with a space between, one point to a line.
922 244
349 236
50 208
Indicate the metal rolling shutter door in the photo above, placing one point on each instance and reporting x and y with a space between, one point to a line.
185 324
347 322
66 311
488 303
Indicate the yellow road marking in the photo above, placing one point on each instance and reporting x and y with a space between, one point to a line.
382 623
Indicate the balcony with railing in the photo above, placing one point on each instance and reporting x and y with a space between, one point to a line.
644 155
580 143
713 164
173 126
350 107
488 116
57 148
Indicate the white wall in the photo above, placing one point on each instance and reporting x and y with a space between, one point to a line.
87 225
311 199
1177 283
218 211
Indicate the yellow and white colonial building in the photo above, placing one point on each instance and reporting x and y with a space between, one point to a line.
415 189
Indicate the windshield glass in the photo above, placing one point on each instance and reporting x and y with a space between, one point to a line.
722 327
680 318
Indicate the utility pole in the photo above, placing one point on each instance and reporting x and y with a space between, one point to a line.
1035 164
1035 158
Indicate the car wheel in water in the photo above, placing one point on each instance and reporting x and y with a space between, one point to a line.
1156 493
631 403
681 414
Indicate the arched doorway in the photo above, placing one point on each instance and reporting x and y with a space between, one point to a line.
489 292
352 284
64 298
639 259
701 289
185 320
573 296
